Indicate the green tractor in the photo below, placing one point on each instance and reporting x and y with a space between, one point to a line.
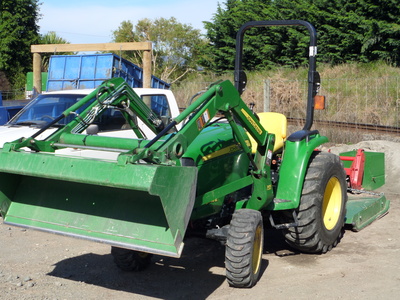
224 177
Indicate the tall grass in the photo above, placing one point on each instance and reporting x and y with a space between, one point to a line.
355 93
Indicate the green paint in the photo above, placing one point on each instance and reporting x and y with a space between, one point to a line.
363 210
293 170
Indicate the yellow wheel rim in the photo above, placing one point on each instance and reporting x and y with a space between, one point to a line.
332 203
257 251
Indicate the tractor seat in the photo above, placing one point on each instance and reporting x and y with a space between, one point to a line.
275 123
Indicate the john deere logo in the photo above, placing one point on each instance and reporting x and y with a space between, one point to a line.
251 121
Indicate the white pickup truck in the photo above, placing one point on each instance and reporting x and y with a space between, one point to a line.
46 107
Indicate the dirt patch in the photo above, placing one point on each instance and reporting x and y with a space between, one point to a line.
36 265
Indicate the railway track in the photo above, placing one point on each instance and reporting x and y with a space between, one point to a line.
349 126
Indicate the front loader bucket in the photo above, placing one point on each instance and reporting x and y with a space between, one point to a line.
140 207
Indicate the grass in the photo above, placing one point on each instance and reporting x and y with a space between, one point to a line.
356 93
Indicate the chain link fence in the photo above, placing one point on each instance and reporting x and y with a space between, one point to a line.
356 109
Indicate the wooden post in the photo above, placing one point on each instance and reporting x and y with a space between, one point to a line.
147 69
53 48
267 95
37 73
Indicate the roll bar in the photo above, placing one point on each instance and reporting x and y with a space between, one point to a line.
313 76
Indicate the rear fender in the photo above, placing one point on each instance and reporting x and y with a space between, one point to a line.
298 149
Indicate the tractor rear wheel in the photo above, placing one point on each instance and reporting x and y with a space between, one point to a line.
322 209
130 260
244 247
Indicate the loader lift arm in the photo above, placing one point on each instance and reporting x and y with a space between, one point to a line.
114 93
221 97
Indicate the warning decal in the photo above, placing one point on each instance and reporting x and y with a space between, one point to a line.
203 119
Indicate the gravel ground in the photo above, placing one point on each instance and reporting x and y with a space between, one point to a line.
365 265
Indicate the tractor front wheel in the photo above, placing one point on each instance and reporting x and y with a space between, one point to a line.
322 209
244 247
130 260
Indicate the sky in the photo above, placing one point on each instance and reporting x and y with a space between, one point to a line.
93 21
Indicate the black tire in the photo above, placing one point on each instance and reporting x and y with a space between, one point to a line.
244 247
322 209
130 260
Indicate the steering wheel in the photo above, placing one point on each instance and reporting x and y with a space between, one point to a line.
47 117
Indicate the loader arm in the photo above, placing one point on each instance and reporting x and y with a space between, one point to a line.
113 93
223 98
220 98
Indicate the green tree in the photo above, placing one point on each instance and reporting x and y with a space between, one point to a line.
126 34
18 30
219 54
175 45
50 37
348 30
361 31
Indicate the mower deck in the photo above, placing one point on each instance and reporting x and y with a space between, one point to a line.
362 210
